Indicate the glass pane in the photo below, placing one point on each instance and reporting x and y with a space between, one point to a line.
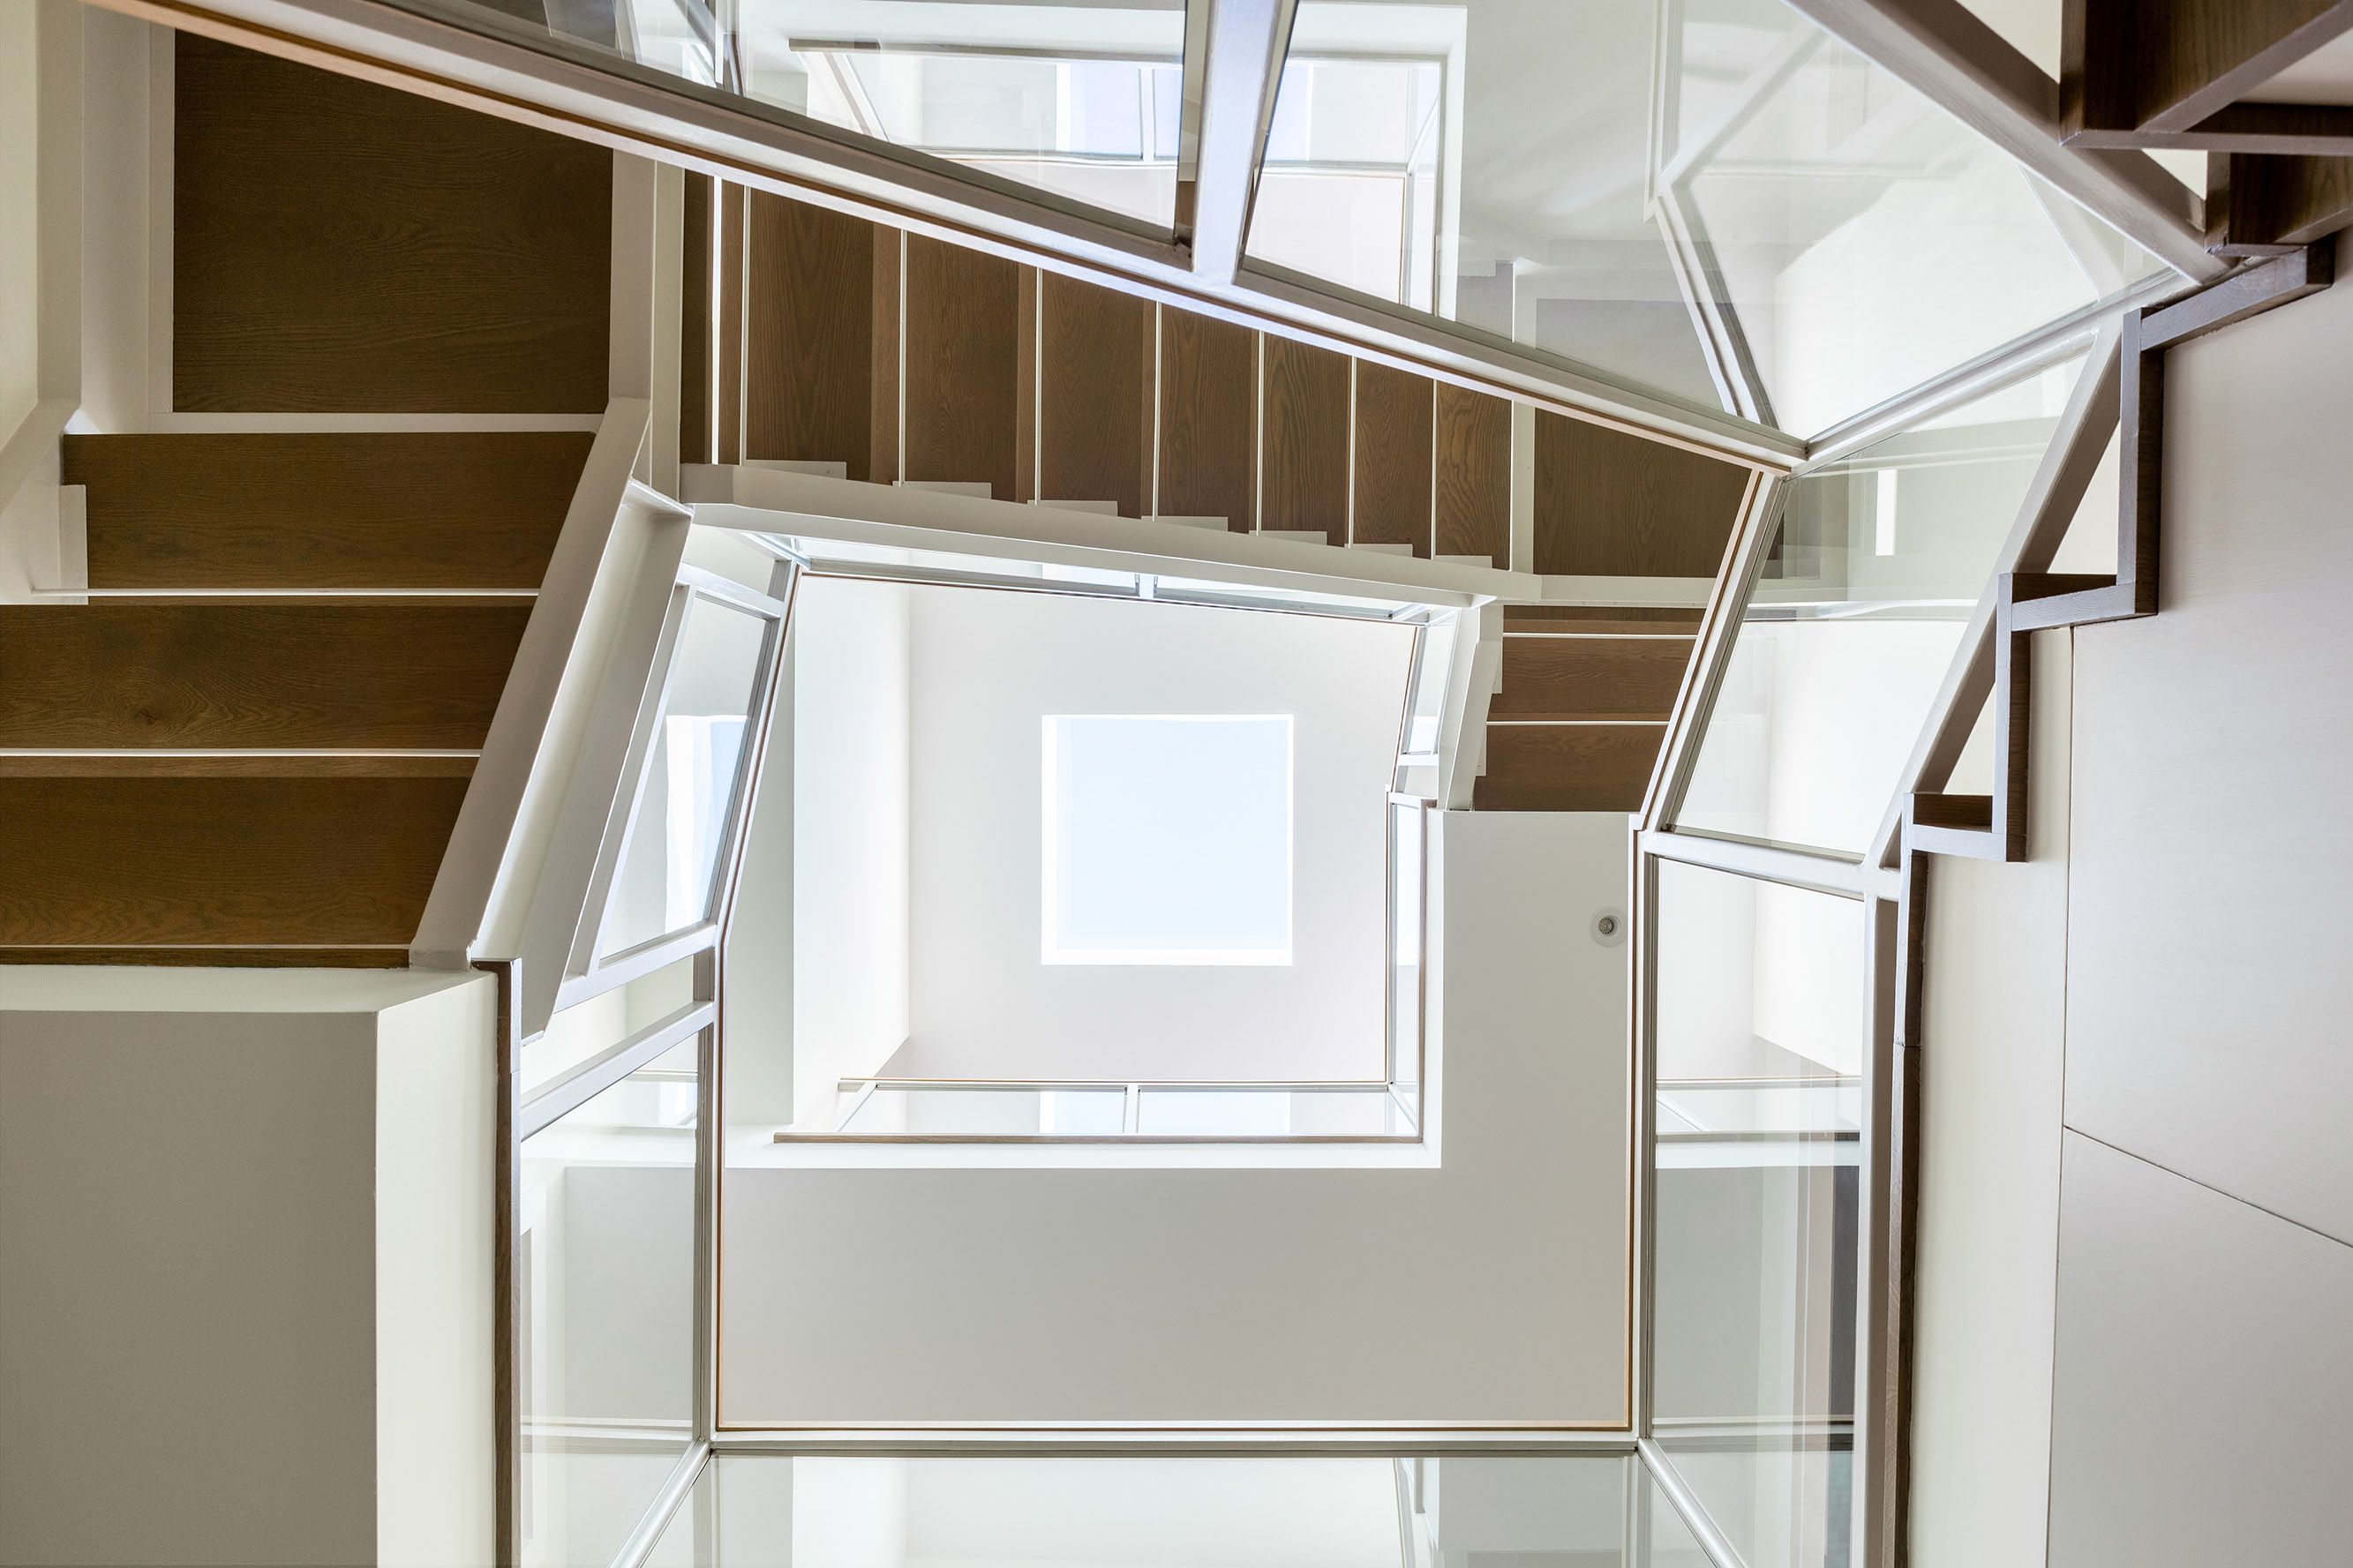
1430 689
1756 1193
1083 99
1667 1541
1867 241
694 770
1714 199
991 1112
1457 173
604 1021
1370 1113
1865 594
1781 1504
605 1257
1406 825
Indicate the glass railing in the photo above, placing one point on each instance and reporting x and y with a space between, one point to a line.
1092 1110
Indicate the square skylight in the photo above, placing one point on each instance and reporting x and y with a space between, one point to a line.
1166 838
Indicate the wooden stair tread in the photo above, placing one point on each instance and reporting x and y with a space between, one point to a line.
394 510
1974 811
190 764
1567 767
289 674
224 861
1533 795
1589 677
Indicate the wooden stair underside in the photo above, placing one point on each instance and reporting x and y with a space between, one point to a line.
1582 712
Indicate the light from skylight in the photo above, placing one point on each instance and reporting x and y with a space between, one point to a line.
1166 838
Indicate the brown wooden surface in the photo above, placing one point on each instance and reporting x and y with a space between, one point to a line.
962 361
1567 767
1095 397
1589 678
1614 505
216 957
2163 68
1627 620
1473 461
414 511
728 436
698 330
240 862
2282 200
1303 462
341 245
1025 381
809 345
1392 459
1209 419
135 673
882 463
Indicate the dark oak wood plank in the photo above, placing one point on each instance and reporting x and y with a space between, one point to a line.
1474 475
962 365
1094 395
1614 505
1209 419
240 861
728 438
216 957
882 463
136 673
698 327
410 510
1589 678
1303 462
1393 492
809 342
2280 200
1567 767
341 245
2128 66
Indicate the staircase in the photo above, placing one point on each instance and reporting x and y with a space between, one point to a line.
1582 711
248 746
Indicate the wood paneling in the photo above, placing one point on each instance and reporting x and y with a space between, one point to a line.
136 673
728 439
1623 620
1614 505
882 464
1474 475
809 347
1392 459
237 861
2282 200
1094 395
2129 65
413 511
341 245
1567 767
1304 456
962 364
698 329
1209 419
1589 677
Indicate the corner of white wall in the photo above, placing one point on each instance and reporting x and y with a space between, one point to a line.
436 1134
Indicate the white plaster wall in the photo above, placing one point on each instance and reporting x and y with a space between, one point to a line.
987 667
848 807
246 1315
1491 1288
19 213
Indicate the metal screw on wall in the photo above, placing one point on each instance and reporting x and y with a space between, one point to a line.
1609 928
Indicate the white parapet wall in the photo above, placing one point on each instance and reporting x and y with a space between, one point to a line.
245 1310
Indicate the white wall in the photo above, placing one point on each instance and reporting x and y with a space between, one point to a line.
987 667
246 1314
19 211
1489 1289
836 822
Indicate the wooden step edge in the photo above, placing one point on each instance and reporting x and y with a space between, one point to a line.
1520 634
257 956
1498 714
1519 794
160 762
2111 600
338 599
1933 809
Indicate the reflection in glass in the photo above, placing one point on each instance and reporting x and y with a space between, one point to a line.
1714 199
605 1263
1876 565
1407 826
696 764
751 1510
990 1112
1781 1502
1082 99
589 1028
1754 1181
